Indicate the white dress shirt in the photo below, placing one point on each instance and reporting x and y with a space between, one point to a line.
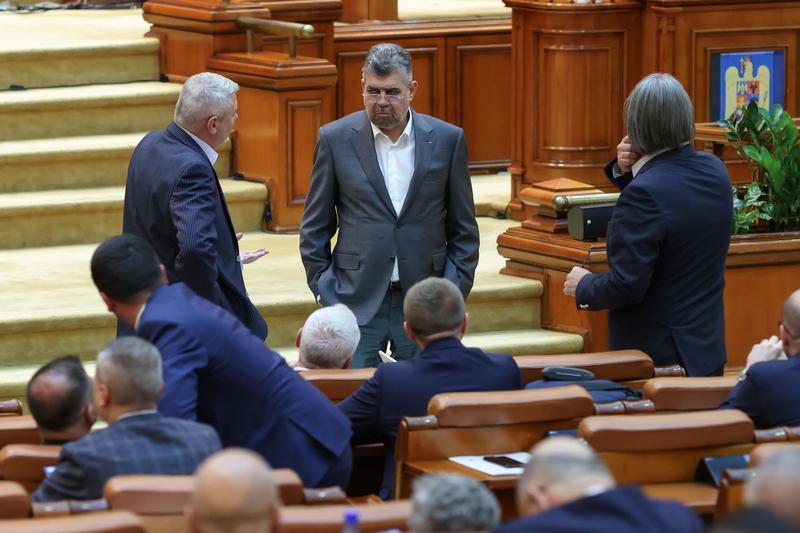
396 160
636 167
211 154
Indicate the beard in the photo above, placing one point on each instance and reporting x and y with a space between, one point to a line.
387 121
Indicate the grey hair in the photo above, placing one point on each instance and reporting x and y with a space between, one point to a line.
386 58
131 369
433 305
775 485
552 469
452 502
659 114
330 336
202 96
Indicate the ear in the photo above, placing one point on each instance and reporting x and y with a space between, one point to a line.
164 277
464 324
298 337
412 89
540 498
363 84
347 363
211 124
409 332
103 396
108 301
89 415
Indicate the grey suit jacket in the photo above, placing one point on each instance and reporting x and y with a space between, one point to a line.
435 234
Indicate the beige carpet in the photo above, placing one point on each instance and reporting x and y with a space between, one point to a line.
450 9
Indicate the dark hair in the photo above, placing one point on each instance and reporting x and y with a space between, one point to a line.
433 305
56 413
385 58
125 265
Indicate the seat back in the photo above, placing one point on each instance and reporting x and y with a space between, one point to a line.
10 407
618 365
18 430
665 448
688 394
330 518
14 501
338 384
24 463
107 522
471 423
731 491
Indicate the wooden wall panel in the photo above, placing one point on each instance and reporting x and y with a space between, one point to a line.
304 119
478 87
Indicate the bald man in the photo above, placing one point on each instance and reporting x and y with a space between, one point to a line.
769 390
776 485
59 397
566 488
234 493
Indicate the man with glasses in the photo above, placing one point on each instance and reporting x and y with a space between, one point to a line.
769 388
396 185
173 200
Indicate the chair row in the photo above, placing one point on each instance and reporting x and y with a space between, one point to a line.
631 367
661 451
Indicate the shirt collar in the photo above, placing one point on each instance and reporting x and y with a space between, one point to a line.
131 414
211 154
408 131
644 159
139 316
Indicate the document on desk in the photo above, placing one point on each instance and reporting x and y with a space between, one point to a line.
491 467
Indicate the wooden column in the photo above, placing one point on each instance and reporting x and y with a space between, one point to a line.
192 31
573 65
362 10
282 104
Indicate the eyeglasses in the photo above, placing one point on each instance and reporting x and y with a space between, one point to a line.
374 95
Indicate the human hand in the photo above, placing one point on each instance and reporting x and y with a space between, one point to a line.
249 257
767 350
573 278
626 155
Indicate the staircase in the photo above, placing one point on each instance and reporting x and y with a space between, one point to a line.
91 93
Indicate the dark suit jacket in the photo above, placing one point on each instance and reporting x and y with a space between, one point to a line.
624 509
770 394
667 243
174 201
140 444
405 388
216 372
435 234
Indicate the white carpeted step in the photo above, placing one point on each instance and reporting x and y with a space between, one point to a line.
57 217
75 162
76 47
87 110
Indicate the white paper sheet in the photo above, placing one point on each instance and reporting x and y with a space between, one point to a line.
477 462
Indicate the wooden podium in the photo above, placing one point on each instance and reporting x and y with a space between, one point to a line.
575 63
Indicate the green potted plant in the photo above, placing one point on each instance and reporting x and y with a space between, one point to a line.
769 140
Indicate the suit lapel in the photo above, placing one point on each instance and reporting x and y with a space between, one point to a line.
364 144
424 142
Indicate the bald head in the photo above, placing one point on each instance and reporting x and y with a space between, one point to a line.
561 469
776 485
234 493
59 397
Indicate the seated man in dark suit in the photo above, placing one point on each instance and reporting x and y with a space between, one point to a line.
138 440
216 371
769 391
59 397
566 488
435 320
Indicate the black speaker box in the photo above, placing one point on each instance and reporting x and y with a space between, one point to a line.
589 222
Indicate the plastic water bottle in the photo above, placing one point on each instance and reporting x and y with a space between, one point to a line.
351 522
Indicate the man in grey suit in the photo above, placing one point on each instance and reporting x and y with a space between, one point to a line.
397 186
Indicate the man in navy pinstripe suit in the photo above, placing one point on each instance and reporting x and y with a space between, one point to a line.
174 201
138 440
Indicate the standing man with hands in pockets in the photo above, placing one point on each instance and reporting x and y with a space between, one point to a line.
396 185
667 239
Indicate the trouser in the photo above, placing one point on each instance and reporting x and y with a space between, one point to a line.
385 326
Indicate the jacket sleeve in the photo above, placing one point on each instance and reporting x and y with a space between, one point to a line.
183 358
68 482
363 408
616 176
463 239
193 204
636 232
318 223
745 398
